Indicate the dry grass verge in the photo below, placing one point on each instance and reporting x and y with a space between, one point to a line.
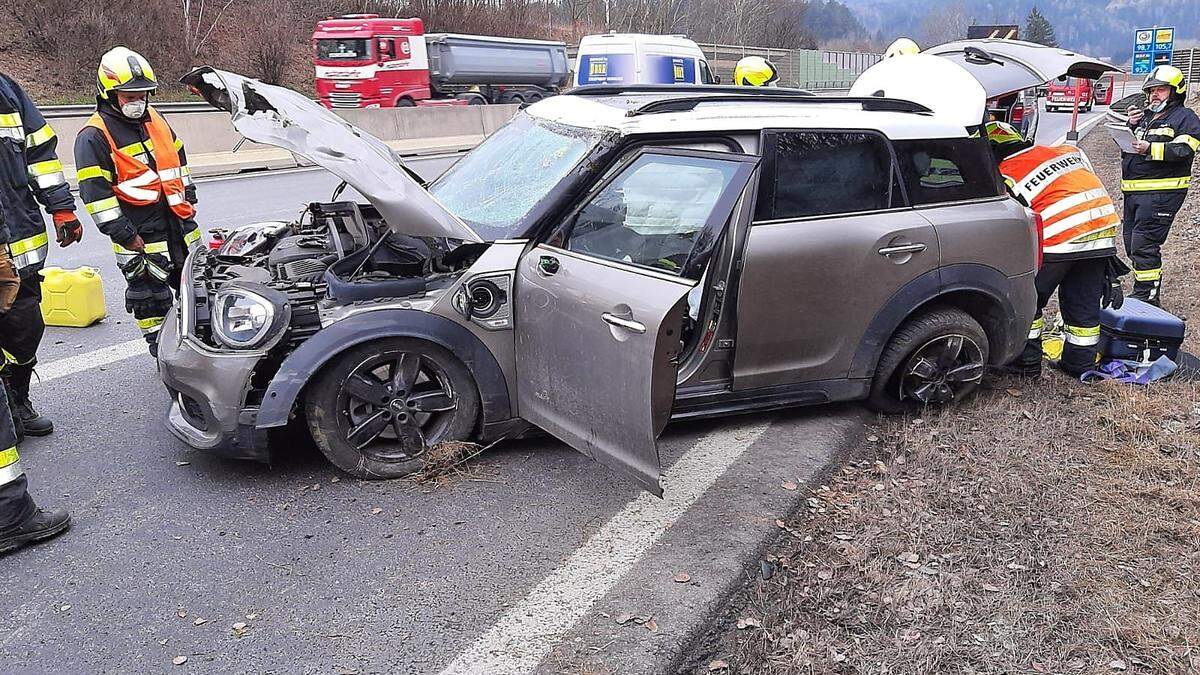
1044 526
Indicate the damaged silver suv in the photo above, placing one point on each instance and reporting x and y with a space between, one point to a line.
610 260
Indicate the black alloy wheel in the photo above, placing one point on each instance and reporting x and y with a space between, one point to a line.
943 370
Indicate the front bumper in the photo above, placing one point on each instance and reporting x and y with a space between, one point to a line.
208 396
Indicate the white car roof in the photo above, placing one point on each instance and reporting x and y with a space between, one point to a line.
748 114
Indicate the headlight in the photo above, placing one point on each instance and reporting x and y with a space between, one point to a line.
248 316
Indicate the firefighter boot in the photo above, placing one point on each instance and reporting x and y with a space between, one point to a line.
28 418
42 524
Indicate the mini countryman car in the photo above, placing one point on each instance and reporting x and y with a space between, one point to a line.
608 261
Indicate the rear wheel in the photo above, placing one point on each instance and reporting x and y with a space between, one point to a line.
935 358
404 102
376 409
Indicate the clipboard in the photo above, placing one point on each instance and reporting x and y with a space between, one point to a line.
1122 136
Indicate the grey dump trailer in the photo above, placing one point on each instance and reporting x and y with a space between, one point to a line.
485 69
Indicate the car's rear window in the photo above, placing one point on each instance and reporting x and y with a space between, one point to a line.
815 173
948 170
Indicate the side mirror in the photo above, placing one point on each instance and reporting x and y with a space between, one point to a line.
716 79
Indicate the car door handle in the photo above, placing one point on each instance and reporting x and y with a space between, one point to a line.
628 324
548 265
902 248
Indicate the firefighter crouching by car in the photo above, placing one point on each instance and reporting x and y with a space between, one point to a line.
21 521
1079 230
135 183
1155 178
30 174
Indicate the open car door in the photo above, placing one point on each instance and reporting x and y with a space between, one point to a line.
600 307
1006 66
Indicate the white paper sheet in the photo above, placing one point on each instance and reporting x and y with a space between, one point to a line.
1123 137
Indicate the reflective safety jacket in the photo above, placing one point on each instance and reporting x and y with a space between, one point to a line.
133 177
30 173
1174 138
1079 219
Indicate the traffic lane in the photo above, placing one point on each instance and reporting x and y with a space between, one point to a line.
1052 126
223 202
297 546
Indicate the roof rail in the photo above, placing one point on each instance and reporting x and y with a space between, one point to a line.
681 104
617 89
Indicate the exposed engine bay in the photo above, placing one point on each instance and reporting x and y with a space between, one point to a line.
337 254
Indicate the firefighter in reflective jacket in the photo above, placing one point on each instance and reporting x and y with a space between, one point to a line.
135 183
21 522
1079 230
30 174
1155 179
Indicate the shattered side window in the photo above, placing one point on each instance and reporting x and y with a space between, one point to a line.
498 183
825 173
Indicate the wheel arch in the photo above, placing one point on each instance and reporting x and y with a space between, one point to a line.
299 367
978 290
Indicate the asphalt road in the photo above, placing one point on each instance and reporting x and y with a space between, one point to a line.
522 562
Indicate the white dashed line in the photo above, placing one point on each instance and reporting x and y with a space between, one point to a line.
93 359
527 632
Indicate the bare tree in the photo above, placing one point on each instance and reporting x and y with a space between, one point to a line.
944 25
198 28
273 30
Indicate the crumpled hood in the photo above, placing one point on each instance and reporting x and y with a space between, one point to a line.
277 116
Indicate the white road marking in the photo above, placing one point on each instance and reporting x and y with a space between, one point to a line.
88 360
525 634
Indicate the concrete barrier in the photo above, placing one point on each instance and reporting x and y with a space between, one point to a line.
205 133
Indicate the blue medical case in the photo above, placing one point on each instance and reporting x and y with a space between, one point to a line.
1139 331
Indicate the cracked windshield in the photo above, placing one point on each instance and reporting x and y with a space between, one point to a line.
498 184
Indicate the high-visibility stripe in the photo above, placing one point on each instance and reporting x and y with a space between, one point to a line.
1190 141
134 149
1072 201
47 174
102 205
191 237
175 199
12 119
178 144
1052 230
1108 241
151 325
1152 184
1161 131
28 244
1148 275
40 136
1036 328
169 174
151 247
1157 151
93 172
10 466
1083 336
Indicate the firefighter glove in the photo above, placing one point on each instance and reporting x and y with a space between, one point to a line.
1114 294
67 228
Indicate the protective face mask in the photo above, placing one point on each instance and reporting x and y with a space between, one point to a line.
134 109
1157 107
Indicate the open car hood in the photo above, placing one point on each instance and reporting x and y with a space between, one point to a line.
277 116
1007 66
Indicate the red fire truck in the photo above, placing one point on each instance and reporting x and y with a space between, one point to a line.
365 61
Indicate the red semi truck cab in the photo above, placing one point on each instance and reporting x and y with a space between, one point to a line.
364 61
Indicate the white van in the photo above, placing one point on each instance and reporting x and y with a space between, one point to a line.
636 58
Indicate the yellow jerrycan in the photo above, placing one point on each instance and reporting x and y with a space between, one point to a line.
72 297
